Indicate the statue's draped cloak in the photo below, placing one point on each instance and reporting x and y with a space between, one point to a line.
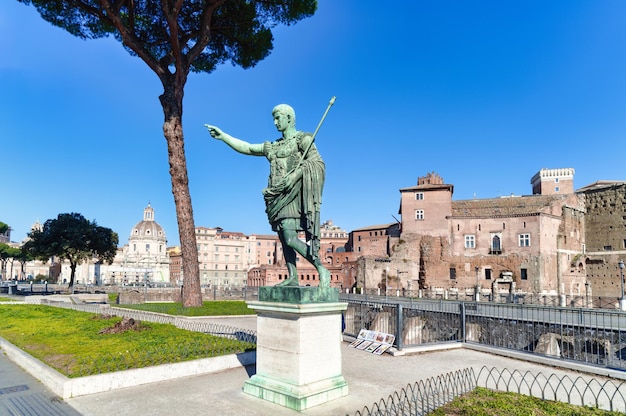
303 201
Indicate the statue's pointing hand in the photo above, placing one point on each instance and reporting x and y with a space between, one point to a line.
215 132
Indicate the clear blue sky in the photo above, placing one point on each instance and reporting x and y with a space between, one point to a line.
485 93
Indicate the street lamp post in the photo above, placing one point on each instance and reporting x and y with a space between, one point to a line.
364 282
477 290
386 280
145 282
622 301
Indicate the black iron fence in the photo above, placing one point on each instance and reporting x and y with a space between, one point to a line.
426 396
469 295
590 336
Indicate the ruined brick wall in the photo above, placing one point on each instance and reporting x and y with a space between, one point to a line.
603 275
605 220
135 295
605 230
570 260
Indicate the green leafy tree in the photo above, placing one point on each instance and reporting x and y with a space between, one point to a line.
3 227
7 253
174 38
74 238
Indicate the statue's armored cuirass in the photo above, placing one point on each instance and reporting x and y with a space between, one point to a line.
284 157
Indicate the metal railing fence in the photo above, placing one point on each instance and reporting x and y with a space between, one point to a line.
428 395
195 325
590 336
574 301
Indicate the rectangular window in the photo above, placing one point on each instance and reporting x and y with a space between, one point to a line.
608 248
524 274
452 273
419 196
524 240
487 274
470 241
419 214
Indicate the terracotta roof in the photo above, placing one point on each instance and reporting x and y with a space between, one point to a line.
375 227
599 185
504 207
266 236
428 186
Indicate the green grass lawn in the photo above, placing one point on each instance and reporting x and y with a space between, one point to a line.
212 308
485 402
71 342
5 299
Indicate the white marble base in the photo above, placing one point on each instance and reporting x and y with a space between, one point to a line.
298 354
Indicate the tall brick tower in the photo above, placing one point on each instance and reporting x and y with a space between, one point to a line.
553 181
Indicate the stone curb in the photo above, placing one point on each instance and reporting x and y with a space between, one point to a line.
66 387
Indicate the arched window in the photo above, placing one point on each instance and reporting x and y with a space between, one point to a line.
495 243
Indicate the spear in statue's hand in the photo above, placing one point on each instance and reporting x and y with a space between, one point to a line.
306 151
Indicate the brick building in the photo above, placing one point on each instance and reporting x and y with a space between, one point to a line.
605 231
523 243
271 268
374 240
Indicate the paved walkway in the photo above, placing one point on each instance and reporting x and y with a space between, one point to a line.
22 394
370 377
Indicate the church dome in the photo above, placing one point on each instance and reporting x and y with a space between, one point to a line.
148 229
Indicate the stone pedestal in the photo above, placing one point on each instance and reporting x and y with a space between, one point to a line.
298 347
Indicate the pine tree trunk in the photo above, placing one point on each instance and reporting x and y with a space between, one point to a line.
171 100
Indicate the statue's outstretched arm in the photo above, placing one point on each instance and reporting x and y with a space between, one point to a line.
239 145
